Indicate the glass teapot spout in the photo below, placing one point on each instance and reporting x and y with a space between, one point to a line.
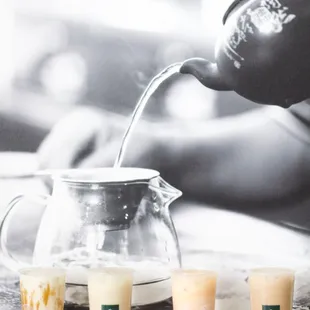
167 191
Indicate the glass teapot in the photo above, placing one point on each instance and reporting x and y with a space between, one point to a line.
105 217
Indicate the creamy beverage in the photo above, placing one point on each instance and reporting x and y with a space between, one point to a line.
271 289
110 288
42 288
193 289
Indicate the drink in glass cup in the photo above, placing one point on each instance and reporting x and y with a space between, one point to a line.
42 288
271 289
193 289
110 288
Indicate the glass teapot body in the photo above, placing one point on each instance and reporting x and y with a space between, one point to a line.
108 218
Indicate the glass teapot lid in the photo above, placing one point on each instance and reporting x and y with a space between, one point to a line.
104 175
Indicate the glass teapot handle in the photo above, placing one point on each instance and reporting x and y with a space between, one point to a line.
7 258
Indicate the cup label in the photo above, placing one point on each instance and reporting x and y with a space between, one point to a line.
272 307
109 307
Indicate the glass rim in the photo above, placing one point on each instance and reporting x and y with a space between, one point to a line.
111 271
56 271
272 270
193 272
107 175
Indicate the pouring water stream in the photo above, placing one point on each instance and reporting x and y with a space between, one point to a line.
148 92
146 95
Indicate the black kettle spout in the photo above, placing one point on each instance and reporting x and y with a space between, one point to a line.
205 72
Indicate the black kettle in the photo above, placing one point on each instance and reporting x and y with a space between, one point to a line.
263 52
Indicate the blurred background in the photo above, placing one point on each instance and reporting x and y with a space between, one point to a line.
57 55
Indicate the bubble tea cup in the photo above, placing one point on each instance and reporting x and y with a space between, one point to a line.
271 289
193 289
110 288
42 288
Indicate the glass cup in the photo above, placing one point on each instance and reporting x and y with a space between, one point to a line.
193 289
271 288
42 288
110 288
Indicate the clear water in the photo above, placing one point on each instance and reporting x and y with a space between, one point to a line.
150 89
